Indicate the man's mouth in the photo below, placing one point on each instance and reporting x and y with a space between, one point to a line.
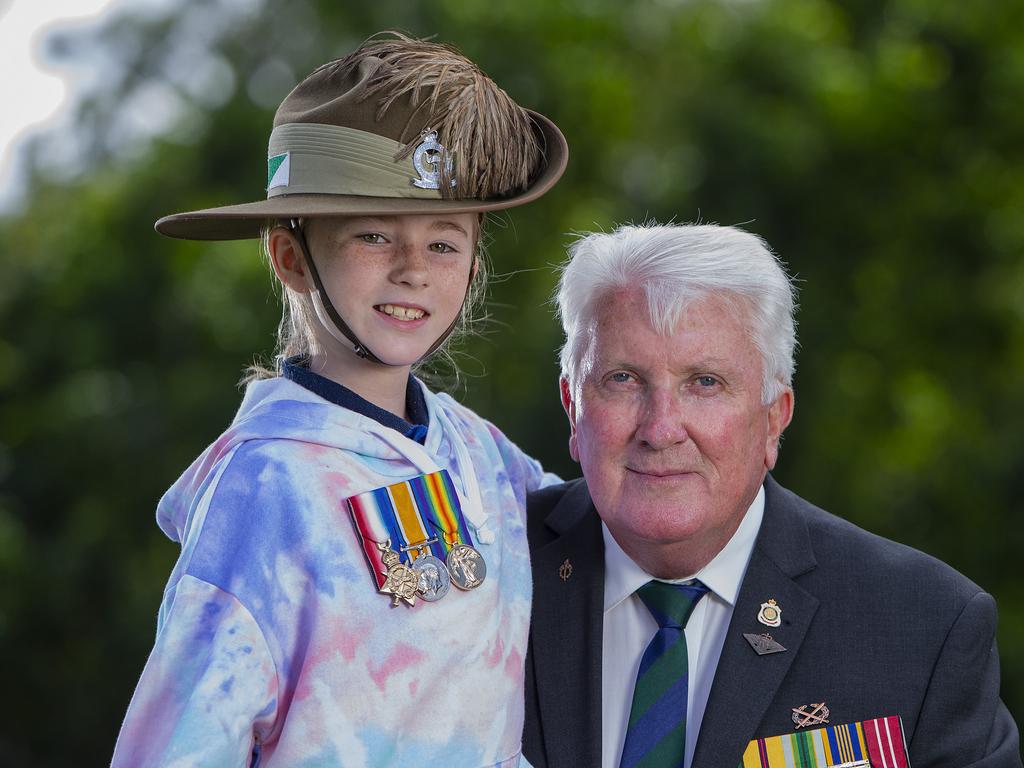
659 472
401 312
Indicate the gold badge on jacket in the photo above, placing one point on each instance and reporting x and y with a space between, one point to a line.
770 614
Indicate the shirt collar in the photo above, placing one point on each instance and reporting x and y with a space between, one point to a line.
723 575
296 369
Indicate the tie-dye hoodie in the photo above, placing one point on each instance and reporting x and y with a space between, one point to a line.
274 647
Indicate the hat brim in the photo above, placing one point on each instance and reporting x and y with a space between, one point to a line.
247 220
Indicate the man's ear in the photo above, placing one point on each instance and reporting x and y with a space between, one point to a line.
286 256
780 413
570 410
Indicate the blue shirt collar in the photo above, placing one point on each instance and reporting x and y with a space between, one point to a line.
296 369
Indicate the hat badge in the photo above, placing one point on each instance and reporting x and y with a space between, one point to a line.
770 613
427 158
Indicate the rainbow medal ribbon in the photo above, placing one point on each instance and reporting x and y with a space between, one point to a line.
876 743
423 516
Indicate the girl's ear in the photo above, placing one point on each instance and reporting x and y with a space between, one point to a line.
286 256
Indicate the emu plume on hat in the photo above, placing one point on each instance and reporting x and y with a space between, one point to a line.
399 126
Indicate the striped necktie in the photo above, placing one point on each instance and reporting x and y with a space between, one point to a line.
656 734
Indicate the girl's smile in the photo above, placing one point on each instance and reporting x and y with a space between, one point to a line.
404 313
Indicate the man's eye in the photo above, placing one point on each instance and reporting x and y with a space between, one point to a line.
441 248
707 381
621 377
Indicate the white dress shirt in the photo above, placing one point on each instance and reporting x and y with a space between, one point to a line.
629 627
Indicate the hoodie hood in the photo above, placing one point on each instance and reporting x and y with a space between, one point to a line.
279 409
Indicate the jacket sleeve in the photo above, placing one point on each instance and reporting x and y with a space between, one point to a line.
208 693
963 722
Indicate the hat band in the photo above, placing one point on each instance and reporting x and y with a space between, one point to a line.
314 158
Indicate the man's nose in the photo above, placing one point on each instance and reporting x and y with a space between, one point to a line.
410 265
662 421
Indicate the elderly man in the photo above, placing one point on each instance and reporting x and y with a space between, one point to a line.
687 608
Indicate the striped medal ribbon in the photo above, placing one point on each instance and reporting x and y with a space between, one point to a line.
416 539
878 743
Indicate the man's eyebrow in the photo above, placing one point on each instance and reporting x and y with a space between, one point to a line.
445 224
704 365
710 363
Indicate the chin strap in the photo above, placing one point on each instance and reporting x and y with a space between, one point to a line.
322 300
333 322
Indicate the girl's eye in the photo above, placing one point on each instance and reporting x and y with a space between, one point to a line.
441 248
374 238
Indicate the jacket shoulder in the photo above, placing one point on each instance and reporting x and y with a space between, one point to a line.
542 502
874 562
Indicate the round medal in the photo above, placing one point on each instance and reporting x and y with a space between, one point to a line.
466 567
434 580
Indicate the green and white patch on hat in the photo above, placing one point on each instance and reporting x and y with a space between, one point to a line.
278 170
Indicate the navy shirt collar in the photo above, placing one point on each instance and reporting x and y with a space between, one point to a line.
296 369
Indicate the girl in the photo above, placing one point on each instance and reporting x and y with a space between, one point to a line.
353 587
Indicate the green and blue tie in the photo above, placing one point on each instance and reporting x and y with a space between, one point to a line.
656 734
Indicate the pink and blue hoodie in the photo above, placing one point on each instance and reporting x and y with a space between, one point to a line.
274 647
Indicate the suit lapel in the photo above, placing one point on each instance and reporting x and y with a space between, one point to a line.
567 623
745 684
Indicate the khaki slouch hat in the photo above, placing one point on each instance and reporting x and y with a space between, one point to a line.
400 126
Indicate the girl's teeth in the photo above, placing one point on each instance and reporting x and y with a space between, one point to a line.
402 313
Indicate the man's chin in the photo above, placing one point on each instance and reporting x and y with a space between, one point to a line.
670 490
665 525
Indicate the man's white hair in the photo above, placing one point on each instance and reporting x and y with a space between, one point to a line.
675 265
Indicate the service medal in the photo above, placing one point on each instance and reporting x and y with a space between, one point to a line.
433 579
466 567
401 581
424 516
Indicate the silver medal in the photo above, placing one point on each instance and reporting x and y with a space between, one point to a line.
466 566
434 580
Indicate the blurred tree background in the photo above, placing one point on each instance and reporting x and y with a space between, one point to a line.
878 145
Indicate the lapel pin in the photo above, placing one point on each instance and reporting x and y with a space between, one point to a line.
770 614
810 714
764 644
565 570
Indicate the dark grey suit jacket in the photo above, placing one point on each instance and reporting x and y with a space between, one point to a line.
872 628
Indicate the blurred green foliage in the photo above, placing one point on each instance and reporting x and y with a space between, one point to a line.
878 145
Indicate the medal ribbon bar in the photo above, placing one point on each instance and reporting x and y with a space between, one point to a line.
439 502
409 513
877 743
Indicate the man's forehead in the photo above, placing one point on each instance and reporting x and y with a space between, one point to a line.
628 315
712 333
666 313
